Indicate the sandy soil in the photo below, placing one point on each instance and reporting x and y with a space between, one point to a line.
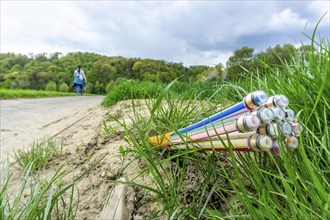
83 141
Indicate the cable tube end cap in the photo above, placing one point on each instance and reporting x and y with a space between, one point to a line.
259 97
265 143
276 148
281 101
266 115
252 122
286 128
292 142
279 114
290 115
296 128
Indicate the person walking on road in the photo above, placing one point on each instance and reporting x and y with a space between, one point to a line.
80 80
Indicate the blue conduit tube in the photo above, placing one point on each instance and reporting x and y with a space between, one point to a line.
251 101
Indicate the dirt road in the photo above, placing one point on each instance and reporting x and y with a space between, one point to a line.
26 120
77 125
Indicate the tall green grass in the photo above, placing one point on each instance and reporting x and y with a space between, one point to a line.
132 90
243 185
37 197
217 91
12 94
19 93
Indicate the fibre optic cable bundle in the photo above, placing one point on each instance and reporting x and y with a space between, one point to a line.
258 123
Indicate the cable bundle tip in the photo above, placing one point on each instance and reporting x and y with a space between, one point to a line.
257 123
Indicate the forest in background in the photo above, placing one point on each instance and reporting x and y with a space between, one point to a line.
54 72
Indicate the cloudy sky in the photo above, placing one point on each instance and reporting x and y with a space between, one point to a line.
191 32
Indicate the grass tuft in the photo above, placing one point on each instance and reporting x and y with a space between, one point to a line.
41 152
19 93
40 198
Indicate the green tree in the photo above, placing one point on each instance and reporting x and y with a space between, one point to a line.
153 70
6 84
167 76
212 73
42 78
193 71
23 81
11 75
220 71
55 56
99 88
105 71
275 57
14 85
240 63
137 69
150 77
279 55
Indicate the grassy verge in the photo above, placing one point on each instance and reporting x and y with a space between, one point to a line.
13 94
241 185
216 91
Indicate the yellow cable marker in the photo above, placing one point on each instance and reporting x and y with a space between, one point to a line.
161 141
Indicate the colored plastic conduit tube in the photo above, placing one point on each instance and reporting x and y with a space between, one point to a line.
265 115
244 123
253 143
233 135
251 101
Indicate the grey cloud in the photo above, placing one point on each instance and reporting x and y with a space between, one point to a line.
189 32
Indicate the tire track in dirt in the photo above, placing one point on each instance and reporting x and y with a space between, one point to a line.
24 121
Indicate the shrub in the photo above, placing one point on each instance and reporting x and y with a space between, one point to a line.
89 87
121 80
63 87
51 86
133 90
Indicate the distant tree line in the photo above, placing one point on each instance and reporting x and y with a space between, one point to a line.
55 71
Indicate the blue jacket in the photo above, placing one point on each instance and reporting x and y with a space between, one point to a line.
79 78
